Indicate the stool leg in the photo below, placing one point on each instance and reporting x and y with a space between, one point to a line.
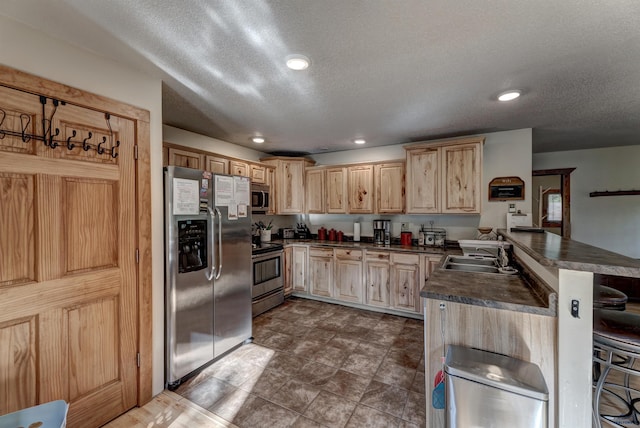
596 396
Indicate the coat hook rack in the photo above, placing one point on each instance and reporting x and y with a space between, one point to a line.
49 136
615 193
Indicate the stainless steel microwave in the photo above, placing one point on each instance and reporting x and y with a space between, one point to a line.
260 198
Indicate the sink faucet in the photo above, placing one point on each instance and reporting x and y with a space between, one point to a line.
486 251
503 261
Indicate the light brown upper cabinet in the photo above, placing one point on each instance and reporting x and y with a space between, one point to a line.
290 183
423 176
389 184
185 158
216 165
315 190
238 168
444 177
336 190
258 173
360 185
461 178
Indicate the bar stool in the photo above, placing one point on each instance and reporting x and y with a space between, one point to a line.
616 345
608 298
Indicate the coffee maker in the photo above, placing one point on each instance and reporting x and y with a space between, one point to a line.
382 232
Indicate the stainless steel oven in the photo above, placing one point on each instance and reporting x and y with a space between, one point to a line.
268 277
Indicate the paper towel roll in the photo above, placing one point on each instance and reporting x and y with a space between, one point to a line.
356 232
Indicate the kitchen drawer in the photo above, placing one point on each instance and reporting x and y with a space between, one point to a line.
343 254
320 252
378 255
405 259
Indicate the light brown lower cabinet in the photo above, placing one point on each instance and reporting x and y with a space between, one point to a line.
321 271
382 279
377 283
288 271
299 268
405 281
349 275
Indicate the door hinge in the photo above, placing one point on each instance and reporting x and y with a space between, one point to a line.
138 359
137 255
135 151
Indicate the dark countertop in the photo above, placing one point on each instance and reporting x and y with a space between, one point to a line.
367 246
553 250
510 292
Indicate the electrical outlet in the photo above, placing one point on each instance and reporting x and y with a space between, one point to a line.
405 226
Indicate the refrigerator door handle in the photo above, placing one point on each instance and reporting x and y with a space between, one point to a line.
219 271
210 274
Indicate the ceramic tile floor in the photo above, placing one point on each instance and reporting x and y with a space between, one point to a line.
314 364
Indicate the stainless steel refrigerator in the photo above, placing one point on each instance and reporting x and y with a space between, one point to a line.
207 268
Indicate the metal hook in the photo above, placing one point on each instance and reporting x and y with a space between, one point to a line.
52 143
25 120
70 145
85 145
114 154
2 134
100 148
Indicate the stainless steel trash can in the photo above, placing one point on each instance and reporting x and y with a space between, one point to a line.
489 390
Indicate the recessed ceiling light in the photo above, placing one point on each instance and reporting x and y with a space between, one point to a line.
258 140
508 96
359 141
298 62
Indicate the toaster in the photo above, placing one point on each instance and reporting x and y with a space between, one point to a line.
287 233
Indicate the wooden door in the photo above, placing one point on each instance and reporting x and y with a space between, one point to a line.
239 168
321 271
461 178
288 271
377 282
360 185
349 275
185 158
389 183
336 190
423 181
299 268
216 164
405 281
315 191
68 308
291 187
258 173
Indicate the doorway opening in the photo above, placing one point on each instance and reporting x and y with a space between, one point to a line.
552 200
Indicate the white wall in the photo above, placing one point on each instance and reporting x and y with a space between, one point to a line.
505 154
31 51
609 222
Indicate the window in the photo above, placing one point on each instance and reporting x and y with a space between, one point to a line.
552 208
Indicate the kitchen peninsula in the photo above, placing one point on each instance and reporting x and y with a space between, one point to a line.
558 342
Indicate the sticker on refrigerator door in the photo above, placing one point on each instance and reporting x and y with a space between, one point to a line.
223 191
232 211
205 183
242 189
186 198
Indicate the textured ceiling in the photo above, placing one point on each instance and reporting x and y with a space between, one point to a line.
388 71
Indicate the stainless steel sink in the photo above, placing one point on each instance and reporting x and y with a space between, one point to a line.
472 268
482 261
472 264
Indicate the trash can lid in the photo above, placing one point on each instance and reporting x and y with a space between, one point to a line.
496 370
